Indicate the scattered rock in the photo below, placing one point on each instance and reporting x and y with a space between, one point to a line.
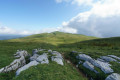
113 76
21 54
84 57
57 57
114 57
108 59
100 63
105 67
89 66
34 57
32 63
43 59
101 60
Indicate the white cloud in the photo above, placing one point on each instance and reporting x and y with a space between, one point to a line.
7 30
82 2
103 20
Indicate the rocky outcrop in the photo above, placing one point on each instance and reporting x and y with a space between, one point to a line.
113 76
108 59
114 57
43 59
89 66
17 63
84 57
100 63
32 63
105 67
57 57
36 59
21 53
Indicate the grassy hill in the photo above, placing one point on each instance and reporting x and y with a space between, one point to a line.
54 38
62 42
45 41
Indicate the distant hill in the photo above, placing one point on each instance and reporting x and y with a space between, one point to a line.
54 38
5 37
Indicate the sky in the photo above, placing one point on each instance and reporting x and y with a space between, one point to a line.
100 18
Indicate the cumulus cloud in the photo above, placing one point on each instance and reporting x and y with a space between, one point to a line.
82 2
7 30
103 20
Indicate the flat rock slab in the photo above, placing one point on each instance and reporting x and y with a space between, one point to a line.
43 59
108 59
113 76
32 63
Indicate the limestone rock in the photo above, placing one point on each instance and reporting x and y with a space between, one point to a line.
57 57
114 57
34 57
89 66
14 65
105 67
108 59
32 63
113 76
101 60
84 57
21 53
43 59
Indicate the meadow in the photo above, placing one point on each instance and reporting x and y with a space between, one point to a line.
65 43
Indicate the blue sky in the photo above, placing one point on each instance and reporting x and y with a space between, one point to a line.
35 14
99 18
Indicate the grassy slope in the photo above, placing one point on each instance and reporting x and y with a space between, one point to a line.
47 41
62 42
54 38
96 48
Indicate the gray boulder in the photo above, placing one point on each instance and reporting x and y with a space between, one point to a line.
43 59
84 57
105 67
21 53
57 57
108 59
113 76
32 63
101 60
114 57
14 65
34 57
89 66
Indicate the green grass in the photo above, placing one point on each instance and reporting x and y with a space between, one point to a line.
95 49
50 71
45 41
54 38
64 43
